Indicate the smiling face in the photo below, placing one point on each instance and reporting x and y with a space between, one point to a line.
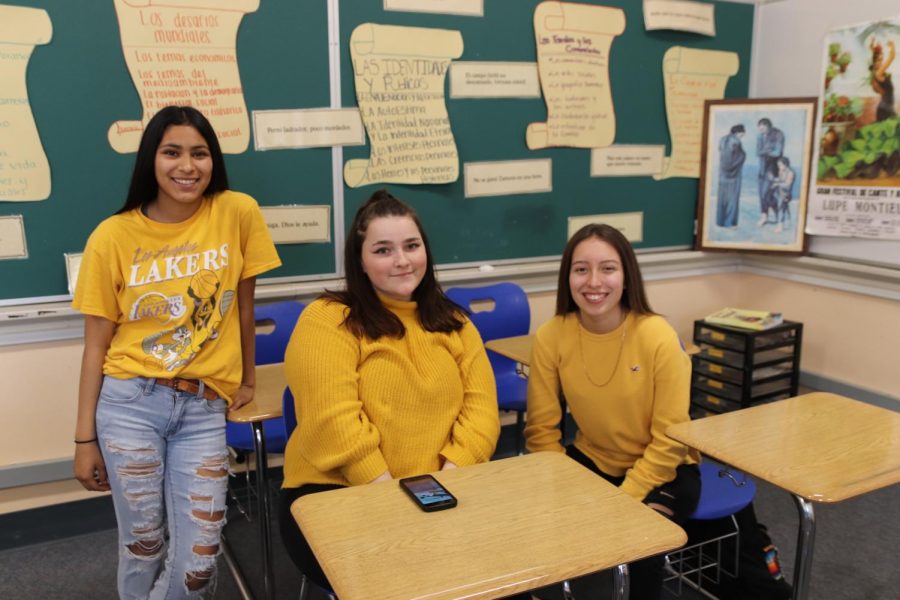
596 281
183 168
393 256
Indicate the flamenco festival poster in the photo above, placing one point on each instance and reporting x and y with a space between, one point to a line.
856 191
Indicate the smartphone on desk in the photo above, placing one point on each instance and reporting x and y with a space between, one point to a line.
427 493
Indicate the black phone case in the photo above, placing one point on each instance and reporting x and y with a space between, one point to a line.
428 507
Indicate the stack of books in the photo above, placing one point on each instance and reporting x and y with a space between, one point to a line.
742 318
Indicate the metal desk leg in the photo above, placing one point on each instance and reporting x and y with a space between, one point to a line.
265 511
235 570
620 583
805 540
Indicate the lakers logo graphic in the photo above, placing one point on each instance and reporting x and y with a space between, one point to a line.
157 306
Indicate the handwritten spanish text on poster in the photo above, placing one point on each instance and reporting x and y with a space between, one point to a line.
184 52
573 49
399 75
691 77
24 169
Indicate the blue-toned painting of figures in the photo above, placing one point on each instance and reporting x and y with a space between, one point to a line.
757 170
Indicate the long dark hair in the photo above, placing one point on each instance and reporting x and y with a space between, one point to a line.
144 187
367 315
634 298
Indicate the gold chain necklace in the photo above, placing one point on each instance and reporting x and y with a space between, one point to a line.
587 371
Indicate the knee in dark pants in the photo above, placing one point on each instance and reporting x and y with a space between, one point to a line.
680 495
294 542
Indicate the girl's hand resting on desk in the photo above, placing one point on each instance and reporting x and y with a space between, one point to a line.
386 476
243 396
449 464
90 469
665 511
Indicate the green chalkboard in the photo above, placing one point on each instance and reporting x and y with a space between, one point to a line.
533 225
78 84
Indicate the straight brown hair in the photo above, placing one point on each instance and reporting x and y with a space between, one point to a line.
634 298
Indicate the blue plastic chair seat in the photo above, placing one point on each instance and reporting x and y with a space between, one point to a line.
720 496
512 391
270 349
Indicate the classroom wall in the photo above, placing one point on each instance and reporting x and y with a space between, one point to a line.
789 64
850 338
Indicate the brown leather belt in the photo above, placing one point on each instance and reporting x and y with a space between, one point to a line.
191 386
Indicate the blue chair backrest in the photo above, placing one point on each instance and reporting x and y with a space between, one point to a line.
270 347
510 317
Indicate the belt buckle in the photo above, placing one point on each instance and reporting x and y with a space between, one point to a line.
176 384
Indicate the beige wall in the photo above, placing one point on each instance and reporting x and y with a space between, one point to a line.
847 337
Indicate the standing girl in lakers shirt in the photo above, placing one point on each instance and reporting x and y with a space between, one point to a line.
166 288
390 378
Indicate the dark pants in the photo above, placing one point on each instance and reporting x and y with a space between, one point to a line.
294 542
679 495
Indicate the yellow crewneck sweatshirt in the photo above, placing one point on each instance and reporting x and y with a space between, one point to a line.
623 388
400 405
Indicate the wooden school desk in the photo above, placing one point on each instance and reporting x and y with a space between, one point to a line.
819 447
521 523
267 404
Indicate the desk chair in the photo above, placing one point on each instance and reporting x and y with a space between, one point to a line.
511 316
724 492
270 349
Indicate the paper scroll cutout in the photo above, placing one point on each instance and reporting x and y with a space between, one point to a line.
184 52
24 169
573 42
691 76
399 75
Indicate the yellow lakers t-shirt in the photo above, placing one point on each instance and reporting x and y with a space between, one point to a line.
171 289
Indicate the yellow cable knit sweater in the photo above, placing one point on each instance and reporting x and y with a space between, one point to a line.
400 405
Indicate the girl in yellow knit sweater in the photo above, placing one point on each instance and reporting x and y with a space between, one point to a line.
625 378
390 379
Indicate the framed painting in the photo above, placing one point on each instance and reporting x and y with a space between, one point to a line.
754 175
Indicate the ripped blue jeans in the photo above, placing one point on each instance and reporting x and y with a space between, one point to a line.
167 465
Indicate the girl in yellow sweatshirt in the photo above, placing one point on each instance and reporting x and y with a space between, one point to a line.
625 377
390 379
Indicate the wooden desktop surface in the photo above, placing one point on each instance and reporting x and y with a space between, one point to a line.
521 523
270 384
518 348
820 446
